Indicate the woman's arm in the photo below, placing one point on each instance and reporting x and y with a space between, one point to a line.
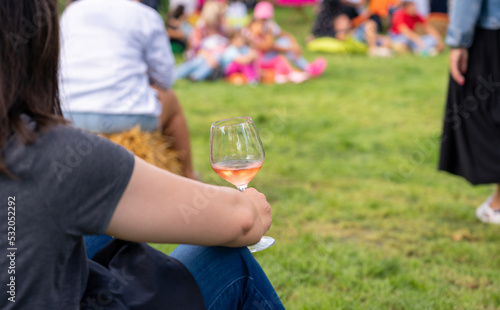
158 206
463 19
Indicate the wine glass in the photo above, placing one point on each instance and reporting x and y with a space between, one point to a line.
237 154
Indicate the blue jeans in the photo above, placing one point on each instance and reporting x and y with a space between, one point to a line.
296 60
429 42
196 69
229 278
101 123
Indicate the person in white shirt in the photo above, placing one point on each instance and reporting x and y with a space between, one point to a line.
117 71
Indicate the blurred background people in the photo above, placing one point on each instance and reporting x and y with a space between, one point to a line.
470 145
379 12
240 58
237 14
189 6
211 22
378 45
335 21
178 28
283 42
330 21
403 34
262 40
206 44
353 9
117 71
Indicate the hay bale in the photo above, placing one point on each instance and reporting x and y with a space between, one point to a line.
150 146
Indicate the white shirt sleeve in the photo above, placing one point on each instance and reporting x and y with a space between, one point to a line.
158 56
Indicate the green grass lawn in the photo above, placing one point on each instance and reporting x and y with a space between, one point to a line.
362 218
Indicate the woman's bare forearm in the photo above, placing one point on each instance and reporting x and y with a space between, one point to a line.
161 207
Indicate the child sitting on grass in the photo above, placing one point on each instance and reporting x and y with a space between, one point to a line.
206 60
284 43
404 37
240 58
206 44
283 71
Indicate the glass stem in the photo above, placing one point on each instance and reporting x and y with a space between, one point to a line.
242 188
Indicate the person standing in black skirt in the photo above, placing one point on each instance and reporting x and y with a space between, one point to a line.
470 145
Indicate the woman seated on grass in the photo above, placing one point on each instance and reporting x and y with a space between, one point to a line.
60 183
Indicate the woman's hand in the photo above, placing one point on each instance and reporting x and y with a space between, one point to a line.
263 207
458 64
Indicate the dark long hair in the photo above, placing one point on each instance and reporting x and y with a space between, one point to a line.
29 61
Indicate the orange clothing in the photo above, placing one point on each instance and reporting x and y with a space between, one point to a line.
381 7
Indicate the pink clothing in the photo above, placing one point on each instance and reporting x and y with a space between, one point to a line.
279 64
296 3
248 70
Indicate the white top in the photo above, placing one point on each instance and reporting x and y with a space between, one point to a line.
110 51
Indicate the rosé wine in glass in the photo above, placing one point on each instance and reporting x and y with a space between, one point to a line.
237 172
237 154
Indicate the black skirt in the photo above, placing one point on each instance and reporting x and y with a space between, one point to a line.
470 145
134 276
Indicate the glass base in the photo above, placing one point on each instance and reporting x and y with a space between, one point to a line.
264 243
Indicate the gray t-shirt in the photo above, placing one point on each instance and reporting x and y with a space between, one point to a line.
69 183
